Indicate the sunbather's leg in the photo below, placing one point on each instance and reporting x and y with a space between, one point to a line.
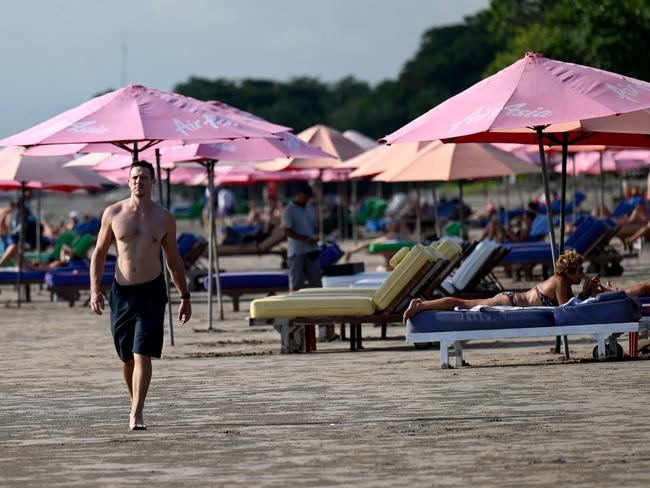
450 303
639 289
641 233
10 253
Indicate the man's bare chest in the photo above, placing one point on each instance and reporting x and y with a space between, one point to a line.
132 229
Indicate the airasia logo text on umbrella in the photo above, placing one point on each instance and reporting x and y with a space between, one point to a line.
209 120
514 110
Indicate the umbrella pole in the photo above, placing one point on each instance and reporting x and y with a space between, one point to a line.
507 199
210 170
547 192
575 189
169 189
21 244
213 256
418 217
135 152
355 213
565 150
435 210
339 210
602 186
461 215
38 226
165 270
321 219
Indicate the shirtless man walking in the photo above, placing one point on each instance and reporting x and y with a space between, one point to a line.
139 227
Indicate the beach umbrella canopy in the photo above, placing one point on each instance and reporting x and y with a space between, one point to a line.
592 105
382 158
183 174
135 114
453 162
361 140
325 138
45 171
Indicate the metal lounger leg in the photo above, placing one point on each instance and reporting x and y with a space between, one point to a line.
601 347
458 352
444 354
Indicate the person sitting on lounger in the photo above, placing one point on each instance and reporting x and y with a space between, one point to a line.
396 230
552 292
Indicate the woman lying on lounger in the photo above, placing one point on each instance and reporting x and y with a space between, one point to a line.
552 292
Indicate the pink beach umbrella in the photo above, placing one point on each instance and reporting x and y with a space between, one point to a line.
538 94
543 101
135 114
136 118
22 172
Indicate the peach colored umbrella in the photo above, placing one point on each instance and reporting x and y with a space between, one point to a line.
382 158
456 162
326 139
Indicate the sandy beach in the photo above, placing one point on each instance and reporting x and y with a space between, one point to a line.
226 409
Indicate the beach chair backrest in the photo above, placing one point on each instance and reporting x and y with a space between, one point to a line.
403 274
472 265
538 229
398 256
448 248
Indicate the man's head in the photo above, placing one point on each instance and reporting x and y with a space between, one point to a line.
303 194
141 178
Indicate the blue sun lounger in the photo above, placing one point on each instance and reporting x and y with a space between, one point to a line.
606 316
235 285
590 238
10 277
68 282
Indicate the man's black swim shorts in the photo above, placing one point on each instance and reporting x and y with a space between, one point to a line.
137 318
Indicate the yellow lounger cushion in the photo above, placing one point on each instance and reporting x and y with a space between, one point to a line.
404 272
337 290
449 249
316 306
398 256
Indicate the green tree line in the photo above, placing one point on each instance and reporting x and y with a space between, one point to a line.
607 34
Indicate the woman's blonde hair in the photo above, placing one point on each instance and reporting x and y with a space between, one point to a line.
568 262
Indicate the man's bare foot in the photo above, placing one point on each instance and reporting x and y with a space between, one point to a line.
136 421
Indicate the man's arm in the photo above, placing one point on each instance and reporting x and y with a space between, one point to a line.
176 269
97 261
294 235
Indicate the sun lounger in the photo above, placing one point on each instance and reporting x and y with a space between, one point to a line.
605 317
590 238
476 270
297 311
10 277
67 283
235 285
266 247
388 249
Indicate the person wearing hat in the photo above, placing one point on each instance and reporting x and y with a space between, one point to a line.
299 225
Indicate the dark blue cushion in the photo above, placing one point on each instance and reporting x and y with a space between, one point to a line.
489 319
607 308
74 278
12 276
251 279
185 243
537 254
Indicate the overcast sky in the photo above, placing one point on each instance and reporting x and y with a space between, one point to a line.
56 54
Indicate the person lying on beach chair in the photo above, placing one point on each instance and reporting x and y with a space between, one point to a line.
552 292
396 230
